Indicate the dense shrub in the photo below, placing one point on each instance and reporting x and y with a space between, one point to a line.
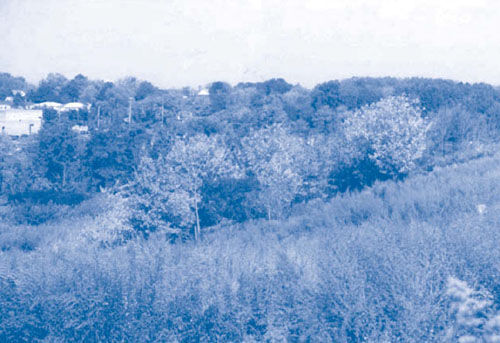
368 266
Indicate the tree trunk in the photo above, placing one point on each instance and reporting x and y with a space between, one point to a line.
197 230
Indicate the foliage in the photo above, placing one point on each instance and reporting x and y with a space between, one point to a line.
393 132
170 186
279 161
341 270
219 95
378 190
473 319
8 83
59 155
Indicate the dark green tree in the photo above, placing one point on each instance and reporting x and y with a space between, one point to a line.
144 90
49 89
73 89
219 95
326 94
59 155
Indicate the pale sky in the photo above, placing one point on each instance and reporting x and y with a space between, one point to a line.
176 43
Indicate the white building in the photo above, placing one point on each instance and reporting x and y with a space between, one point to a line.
47 104
73 106
204 91
4 106
17 122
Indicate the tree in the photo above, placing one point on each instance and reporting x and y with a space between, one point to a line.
219 95
278 86
109 158
59 155
279 161
144 90
7 162
297 104
111 104
8 83
392 131
89 93
73 89
19 100
326 94
49 88
356 92
170 186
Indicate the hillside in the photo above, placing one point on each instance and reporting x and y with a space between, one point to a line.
366 266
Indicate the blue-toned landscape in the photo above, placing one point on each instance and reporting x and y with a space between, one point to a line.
359 210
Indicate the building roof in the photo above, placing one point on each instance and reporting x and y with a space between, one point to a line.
73 106
48 104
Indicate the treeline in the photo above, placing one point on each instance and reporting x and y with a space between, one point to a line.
186 160
346 213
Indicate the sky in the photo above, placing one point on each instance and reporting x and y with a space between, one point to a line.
177 43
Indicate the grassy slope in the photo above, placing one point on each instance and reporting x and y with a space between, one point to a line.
369 266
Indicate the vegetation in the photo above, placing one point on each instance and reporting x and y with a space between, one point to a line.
363 210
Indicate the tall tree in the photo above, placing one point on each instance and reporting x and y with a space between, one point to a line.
219 95
392 131
73 89
279 161
171 185
49 89
60 155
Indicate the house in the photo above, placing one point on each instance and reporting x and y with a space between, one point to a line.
73 106
46 105
5 106
204 91
17 122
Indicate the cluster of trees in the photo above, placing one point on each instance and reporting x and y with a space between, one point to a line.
379 265
257 180
254 150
